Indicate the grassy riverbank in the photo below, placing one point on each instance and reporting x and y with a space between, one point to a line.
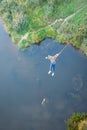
30 22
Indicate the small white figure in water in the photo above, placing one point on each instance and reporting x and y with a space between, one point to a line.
52 63
44 101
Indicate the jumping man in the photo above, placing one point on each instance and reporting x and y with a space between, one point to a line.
52 63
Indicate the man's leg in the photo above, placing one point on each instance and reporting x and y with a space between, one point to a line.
53 69
50 69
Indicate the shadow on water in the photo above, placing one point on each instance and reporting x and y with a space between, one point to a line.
30 99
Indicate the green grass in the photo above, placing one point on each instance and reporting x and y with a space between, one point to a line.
40 16
39 19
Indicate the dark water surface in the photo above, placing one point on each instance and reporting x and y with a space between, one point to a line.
24 83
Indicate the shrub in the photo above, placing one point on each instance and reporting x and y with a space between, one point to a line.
75 119
20 21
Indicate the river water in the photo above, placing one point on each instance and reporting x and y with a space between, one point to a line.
24 83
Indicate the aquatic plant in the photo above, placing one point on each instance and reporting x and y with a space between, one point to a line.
77 82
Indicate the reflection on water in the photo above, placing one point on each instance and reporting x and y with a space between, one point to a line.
30 99
77 82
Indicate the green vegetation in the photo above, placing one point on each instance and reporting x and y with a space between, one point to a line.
78 121
31 21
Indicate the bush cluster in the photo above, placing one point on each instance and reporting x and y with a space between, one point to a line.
75 119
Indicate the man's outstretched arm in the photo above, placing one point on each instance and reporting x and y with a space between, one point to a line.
52 57
55 56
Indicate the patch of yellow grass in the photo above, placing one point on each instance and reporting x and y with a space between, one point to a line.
82 125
